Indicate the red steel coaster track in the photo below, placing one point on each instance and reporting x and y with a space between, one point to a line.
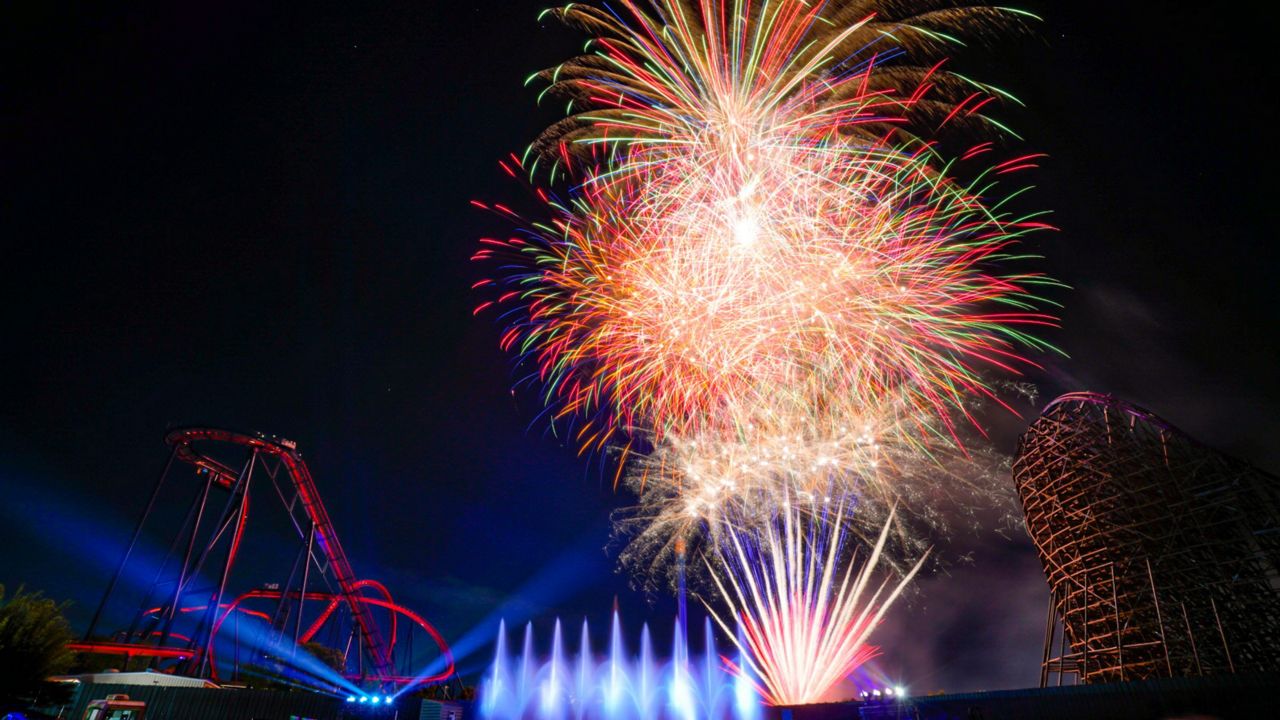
278 458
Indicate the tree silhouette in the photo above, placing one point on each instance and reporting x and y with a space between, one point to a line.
33 645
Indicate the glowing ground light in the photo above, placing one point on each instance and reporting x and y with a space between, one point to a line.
897 691
620 684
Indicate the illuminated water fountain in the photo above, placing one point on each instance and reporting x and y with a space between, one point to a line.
616 686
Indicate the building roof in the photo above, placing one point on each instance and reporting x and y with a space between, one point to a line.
146 677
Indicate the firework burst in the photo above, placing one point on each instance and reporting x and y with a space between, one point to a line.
685 485
691 290
805 605
751 226
664 71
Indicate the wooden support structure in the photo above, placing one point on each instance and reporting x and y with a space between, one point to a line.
1128 515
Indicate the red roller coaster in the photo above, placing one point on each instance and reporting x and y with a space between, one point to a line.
321 575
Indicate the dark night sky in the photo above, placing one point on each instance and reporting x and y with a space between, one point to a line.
258 217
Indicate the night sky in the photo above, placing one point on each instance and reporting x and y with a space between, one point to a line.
258 217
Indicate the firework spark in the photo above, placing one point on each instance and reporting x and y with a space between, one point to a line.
666 70
683 295
805 622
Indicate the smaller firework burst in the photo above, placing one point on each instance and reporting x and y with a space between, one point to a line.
805 604
687 485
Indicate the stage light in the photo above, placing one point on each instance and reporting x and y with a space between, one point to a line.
888 692
376 699
364 699
351 698
899 690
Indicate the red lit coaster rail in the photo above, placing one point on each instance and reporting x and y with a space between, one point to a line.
188 614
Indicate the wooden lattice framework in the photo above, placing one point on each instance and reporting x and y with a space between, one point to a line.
1162 555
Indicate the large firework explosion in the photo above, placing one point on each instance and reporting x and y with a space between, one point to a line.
766 281
690 290
750 229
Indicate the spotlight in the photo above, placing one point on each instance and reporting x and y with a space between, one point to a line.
376 699
875 693
899 691
351 698
364 699
888 692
